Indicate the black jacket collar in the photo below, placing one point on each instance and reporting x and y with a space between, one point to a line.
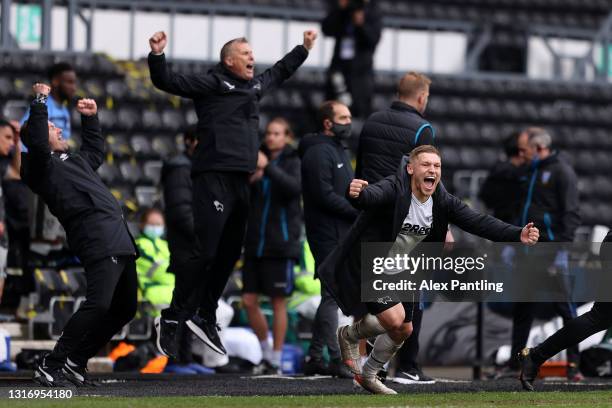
401 106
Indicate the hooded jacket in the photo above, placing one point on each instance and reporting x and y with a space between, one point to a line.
326 175
384 206
227 108
275 214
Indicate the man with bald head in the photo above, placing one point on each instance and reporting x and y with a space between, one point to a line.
227 105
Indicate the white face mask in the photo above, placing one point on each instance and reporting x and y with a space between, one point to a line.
153 231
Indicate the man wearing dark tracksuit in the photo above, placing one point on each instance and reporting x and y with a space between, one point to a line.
387 136
96 233
328 215
227 104
572 333
552 203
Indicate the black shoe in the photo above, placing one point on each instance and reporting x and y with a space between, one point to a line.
77 375
315 366
573 373
413 376
338 369
528 369
208 332
50 375
167 335
266 368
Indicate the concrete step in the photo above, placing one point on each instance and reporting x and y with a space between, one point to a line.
17 331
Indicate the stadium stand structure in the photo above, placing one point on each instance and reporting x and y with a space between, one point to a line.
471 116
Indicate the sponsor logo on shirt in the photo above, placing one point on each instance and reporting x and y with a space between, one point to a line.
408 228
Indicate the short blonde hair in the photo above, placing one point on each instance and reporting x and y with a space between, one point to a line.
411 84
423 149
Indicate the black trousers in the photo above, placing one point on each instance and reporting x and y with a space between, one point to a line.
220 210
573 332
523 316
110 304
326 319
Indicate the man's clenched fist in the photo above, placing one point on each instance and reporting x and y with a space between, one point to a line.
357 187
87 107
158 42
310 37
43 89
530 234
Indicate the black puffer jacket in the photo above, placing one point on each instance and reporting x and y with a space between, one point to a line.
385 206
275 216
227 109
176 181
386 137
326 175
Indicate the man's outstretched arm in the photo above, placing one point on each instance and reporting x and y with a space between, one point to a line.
187 86
489 227
283 69
92 149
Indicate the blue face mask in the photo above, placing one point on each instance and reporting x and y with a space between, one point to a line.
153 231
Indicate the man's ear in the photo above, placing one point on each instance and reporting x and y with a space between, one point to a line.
327 124
410 169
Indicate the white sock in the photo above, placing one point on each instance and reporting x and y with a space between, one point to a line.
367 327
266 350
384 350
277 356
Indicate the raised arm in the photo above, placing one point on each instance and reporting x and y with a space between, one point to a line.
36 138
364 196
283 69
489 227
92 148
188 86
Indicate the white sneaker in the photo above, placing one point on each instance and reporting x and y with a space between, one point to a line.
373 385
349 351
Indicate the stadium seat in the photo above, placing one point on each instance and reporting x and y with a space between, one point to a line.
152 171
118 145
128 118
164 146
109 173
151 120
130 171
141 146
147 196
173 120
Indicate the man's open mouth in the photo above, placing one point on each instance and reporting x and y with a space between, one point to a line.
250 67
429 181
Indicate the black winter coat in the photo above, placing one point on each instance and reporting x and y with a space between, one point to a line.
73 191
501 191
551 200
326 175
275 215
386 137
227 109
385 206
176 181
